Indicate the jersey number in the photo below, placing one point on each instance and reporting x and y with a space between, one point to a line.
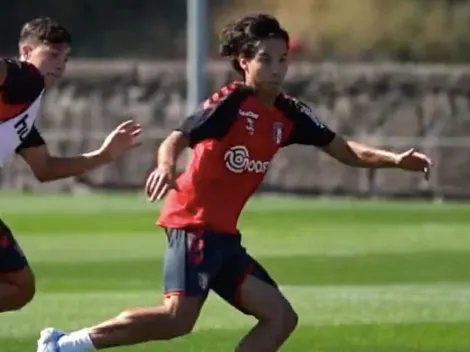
21 128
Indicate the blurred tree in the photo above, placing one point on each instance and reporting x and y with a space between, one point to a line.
417 30
404 30
105 28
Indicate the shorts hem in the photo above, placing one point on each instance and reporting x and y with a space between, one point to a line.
174 293
199 227
237 298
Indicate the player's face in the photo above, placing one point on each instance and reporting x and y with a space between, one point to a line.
268 68
50 60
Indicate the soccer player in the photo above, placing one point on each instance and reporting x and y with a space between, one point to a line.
44 50
234 135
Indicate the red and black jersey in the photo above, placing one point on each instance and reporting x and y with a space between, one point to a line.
234 138
23 85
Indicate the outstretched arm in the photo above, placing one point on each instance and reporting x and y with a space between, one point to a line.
360 155
355 154
47 167
310 130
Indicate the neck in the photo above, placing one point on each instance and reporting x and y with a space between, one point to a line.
266 97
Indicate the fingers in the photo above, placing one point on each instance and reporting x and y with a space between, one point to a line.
127 124
423 157
151 186
150 183
425 166
409 152
136 132
129 128
414 161
132 131
427 173
157 186
134 135
426 169
164 189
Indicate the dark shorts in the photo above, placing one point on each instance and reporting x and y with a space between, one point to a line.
198 262
11 257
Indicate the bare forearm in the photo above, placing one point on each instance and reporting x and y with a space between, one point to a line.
63 167
360 155
368 157
171 148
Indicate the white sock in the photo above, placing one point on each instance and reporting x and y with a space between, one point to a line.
78 341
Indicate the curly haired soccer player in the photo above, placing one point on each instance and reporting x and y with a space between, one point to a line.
233 135
44 50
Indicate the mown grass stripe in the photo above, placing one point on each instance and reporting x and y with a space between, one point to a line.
317 305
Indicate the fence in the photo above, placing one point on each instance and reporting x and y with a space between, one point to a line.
388 105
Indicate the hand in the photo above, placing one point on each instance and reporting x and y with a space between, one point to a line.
122 139
413 161
159 182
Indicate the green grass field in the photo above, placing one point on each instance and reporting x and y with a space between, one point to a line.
363 276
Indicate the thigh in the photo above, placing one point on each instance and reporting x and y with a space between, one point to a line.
191 262
235 277
12 258
264 301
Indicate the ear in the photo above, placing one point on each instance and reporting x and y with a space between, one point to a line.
25 50
243 61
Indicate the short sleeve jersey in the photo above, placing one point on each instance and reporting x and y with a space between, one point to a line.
21 88
234 138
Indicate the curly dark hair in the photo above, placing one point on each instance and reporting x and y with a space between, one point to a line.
44 30
242 36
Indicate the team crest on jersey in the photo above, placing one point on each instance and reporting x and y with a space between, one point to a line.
277 132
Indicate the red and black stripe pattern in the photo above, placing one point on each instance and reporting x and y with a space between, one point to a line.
220 94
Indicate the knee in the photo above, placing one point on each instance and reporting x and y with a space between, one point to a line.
181 325
284 318
290 320
181 319
287 320
25 292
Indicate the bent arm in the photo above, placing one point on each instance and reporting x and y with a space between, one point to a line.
171 148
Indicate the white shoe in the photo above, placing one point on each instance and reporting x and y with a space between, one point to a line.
48 341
